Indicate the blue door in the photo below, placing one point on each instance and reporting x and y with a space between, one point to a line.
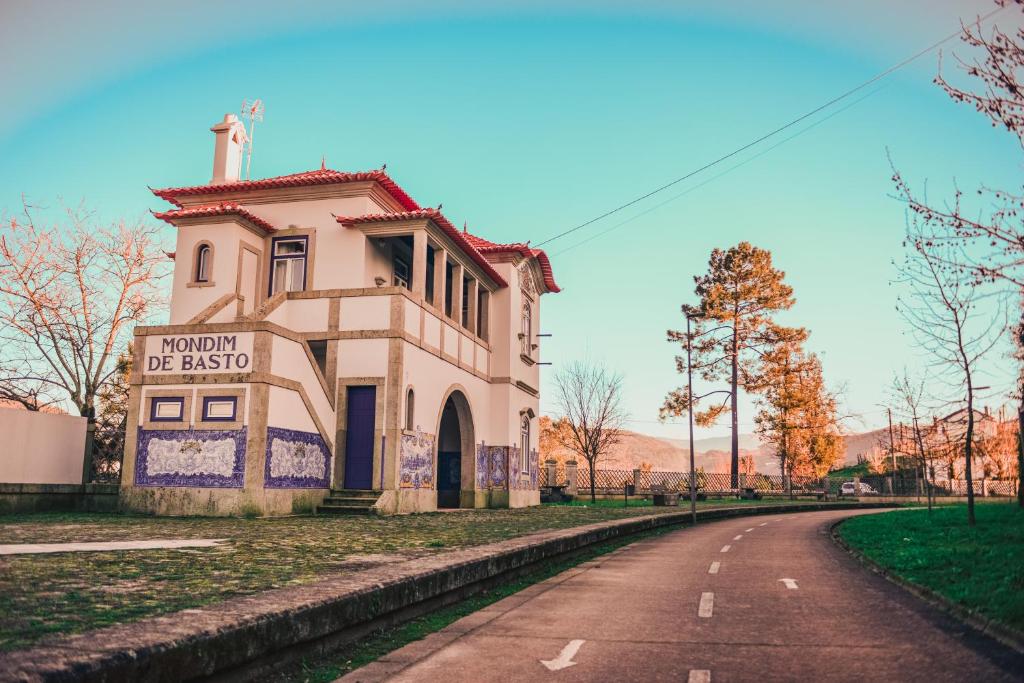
362 404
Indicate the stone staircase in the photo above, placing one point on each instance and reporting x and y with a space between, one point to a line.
349 502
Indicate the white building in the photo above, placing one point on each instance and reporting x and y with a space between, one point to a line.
327 332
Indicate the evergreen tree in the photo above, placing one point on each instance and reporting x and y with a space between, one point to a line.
734 328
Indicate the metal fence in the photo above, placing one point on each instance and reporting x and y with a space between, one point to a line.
903 483
104 451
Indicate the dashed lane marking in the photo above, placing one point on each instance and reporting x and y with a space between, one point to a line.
749 530
564 658
737 537
790 583
725 548
713 569
763 524
699 676
707 605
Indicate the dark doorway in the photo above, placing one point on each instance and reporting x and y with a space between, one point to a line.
362 404
449 458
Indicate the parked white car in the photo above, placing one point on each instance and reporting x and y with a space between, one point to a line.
849 488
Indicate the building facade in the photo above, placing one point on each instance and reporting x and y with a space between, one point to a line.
327 332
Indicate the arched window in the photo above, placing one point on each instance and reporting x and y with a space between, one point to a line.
410 403
526 331
524 444
203 257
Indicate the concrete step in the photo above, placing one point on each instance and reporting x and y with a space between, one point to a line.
344 509
349 502
356 493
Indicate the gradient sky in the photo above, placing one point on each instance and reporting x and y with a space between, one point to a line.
526 119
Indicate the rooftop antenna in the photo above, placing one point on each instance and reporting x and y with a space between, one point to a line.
254 112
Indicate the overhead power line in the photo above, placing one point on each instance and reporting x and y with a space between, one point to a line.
776 131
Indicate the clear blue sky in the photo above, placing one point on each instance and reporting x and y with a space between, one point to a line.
529 118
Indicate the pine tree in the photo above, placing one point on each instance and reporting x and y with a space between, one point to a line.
734 328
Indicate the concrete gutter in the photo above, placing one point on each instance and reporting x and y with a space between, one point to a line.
237 638
1004 633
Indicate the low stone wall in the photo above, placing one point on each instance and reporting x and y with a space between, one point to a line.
58 497
234 639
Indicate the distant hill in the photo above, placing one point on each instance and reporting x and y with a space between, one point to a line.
673 455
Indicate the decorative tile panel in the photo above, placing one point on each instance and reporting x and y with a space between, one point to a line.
296 460
416 461
191 458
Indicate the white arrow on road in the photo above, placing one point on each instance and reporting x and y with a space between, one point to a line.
564 658
790 583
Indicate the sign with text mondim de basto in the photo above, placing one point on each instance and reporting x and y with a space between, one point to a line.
183 354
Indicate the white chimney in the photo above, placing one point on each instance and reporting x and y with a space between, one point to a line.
227 150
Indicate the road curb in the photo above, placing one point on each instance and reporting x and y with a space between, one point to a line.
1007 635
240 637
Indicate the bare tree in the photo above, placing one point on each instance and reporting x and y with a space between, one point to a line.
909 393
941 309
70 294
590 399
994 231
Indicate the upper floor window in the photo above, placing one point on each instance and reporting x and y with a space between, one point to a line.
526 331
401 270
524 444
204 254
288 264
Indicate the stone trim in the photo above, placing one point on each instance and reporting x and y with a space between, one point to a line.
341 424
240 407
186 413
213 309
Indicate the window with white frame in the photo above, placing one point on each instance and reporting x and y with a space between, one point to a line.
204 255
524 444
167 409
526 330
288 264
220 408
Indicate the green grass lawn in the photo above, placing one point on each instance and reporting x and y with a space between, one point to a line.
981 568
73 592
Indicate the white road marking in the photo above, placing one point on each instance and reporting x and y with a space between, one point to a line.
699 676
564 658
749 530
737 537
763 524
707 605
790 583
713 569
725 548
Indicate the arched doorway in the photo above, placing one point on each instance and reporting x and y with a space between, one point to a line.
454 451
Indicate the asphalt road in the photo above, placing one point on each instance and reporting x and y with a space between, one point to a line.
768 598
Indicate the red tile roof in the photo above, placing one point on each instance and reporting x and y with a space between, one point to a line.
524 250
458 237
210 210
323 176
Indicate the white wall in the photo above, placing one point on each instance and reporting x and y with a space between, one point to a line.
41 448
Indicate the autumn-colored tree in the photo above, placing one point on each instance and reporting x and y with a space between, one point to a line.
70 295
798 414
734 328
992 230
589 398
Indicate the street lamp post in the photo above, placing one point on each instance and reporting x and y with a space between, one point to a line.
689 412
